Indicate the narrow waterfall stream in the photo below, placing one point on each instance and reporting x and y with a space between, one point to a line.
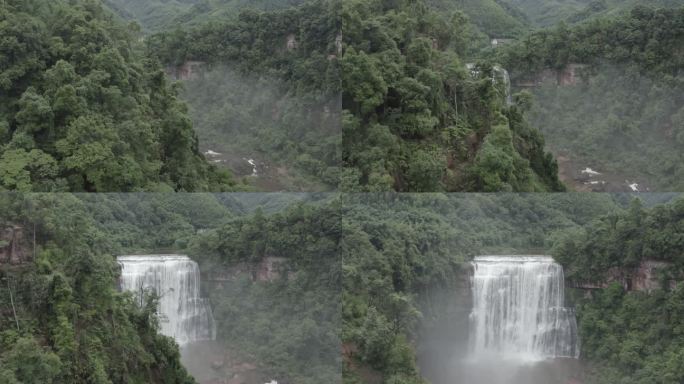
183 314
501 74
518 310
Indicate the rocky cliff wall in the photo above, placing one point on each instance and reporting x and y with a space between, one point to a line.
189 70
648 276
14 249
270 268
570 75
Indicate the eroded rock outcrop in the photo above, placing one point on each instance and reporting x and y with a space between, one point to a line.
569 75
648 276
270 268
189 70
13 248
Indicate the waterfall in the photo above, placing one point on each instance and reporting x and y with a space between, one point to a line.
518 309
499 74
183 314
506 78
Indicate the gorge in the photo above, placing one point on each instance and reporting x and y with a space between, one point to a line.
505 322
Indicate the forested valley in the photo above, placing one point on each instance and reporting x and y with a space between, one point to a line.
263 94
63 317
417 117
594 95
422 159
425 95
92 100
625 113
383 278
406 297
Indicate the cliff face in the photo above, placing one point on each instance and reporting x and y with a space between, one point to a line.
270 268
13 247
647 277
189 70
567 76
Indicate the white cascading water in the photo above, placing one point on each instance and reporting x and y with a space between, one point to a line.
518 310
506 78
183 314
498 74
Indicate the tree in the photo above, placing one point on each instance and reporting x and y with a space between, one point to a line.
28 363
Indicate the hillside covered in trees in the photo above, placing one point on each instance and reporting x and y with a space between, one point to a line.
625 114
417 118
619 112
546 13
630 336
83 108
159 15
63 319
271 92
493 18
406 271
290 326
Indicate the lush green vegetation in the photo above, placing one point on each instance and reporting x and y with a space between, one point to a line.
396 249
495 18
630 337
416 119
74 326
270 92
626 116
82 109
378 256
619 121
647 39
633 338
549 12
624 240
291 324
159 15
71 324
245 116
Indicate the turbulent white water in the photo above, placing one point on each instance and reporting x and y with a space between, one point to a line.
518 310
183 314
506 78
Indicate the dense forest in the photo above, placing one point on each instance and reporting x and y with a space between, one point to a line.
63 320
159 15
493 18
376 99
270 93
83 108
630 336
549 12
377 259
626 115
398 250
416 118
290 325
